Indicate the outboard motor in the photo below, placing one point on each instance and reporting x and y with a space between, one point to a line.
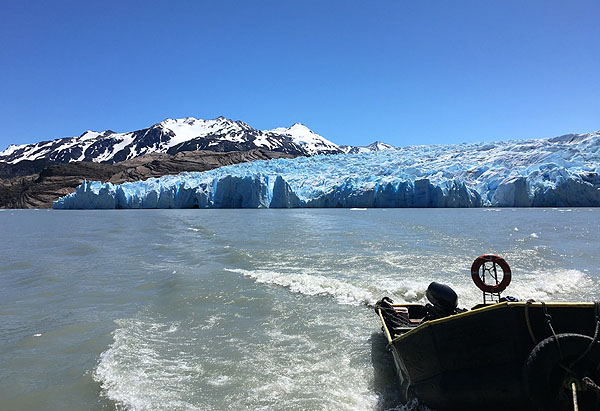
443 301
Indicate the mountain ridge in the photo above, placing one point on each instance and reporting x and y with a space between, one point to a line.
172 136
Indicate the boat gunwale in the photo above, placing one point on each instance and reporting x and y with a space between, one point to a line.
475 312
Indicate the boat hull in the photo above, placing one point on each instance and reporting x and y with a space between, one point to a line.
475 359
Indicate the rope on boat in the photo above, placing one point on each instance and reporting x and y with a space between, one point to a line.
586 382
548 318
571 382
574 392
390 319
594 340
528 320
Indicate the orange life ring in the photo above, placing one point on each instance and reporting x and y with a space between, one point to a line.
488 288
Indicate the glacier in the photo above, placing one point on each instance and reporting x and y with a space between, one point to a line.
555 172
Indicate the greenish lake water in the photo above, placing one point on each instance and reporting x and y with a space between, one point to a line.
248 309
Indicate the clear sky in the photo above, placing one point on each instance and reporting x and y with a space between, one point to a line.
404 72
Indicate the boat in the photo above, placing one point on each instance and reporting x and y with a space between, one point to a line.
500 354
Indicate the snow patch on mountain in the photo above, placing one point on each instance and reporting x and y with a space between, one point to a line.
172 136
12 148
307 139
561 171
188 128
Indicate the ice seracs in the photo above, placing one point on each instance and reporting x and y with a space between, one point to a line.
563 171
375 146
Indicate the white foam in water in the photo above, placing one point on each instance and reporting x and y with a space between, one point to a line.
219 381
413 405
550 285
405 291
211 322
400 290
298 372
134 375
543 285
414 263
343 292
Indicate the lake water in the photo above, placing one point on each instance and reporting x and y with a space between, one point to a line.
248 309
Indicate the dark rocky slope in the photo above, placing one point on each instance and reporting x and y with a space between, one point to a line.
56 180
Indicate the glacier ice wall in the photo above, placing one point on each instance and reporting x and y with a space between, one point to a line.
561 171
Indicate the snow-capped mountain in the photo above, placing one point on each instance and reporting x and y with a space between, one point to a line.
310 142
172 136
376 146
554 172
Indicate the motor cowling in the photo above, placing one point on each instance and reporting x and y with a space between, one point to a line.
443 299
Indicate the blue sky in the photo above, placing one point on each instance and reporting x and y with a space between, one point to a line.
405 72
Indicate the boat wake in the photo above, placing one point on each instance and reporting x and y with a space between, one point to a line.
561 284
342 291
133 373
154 365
